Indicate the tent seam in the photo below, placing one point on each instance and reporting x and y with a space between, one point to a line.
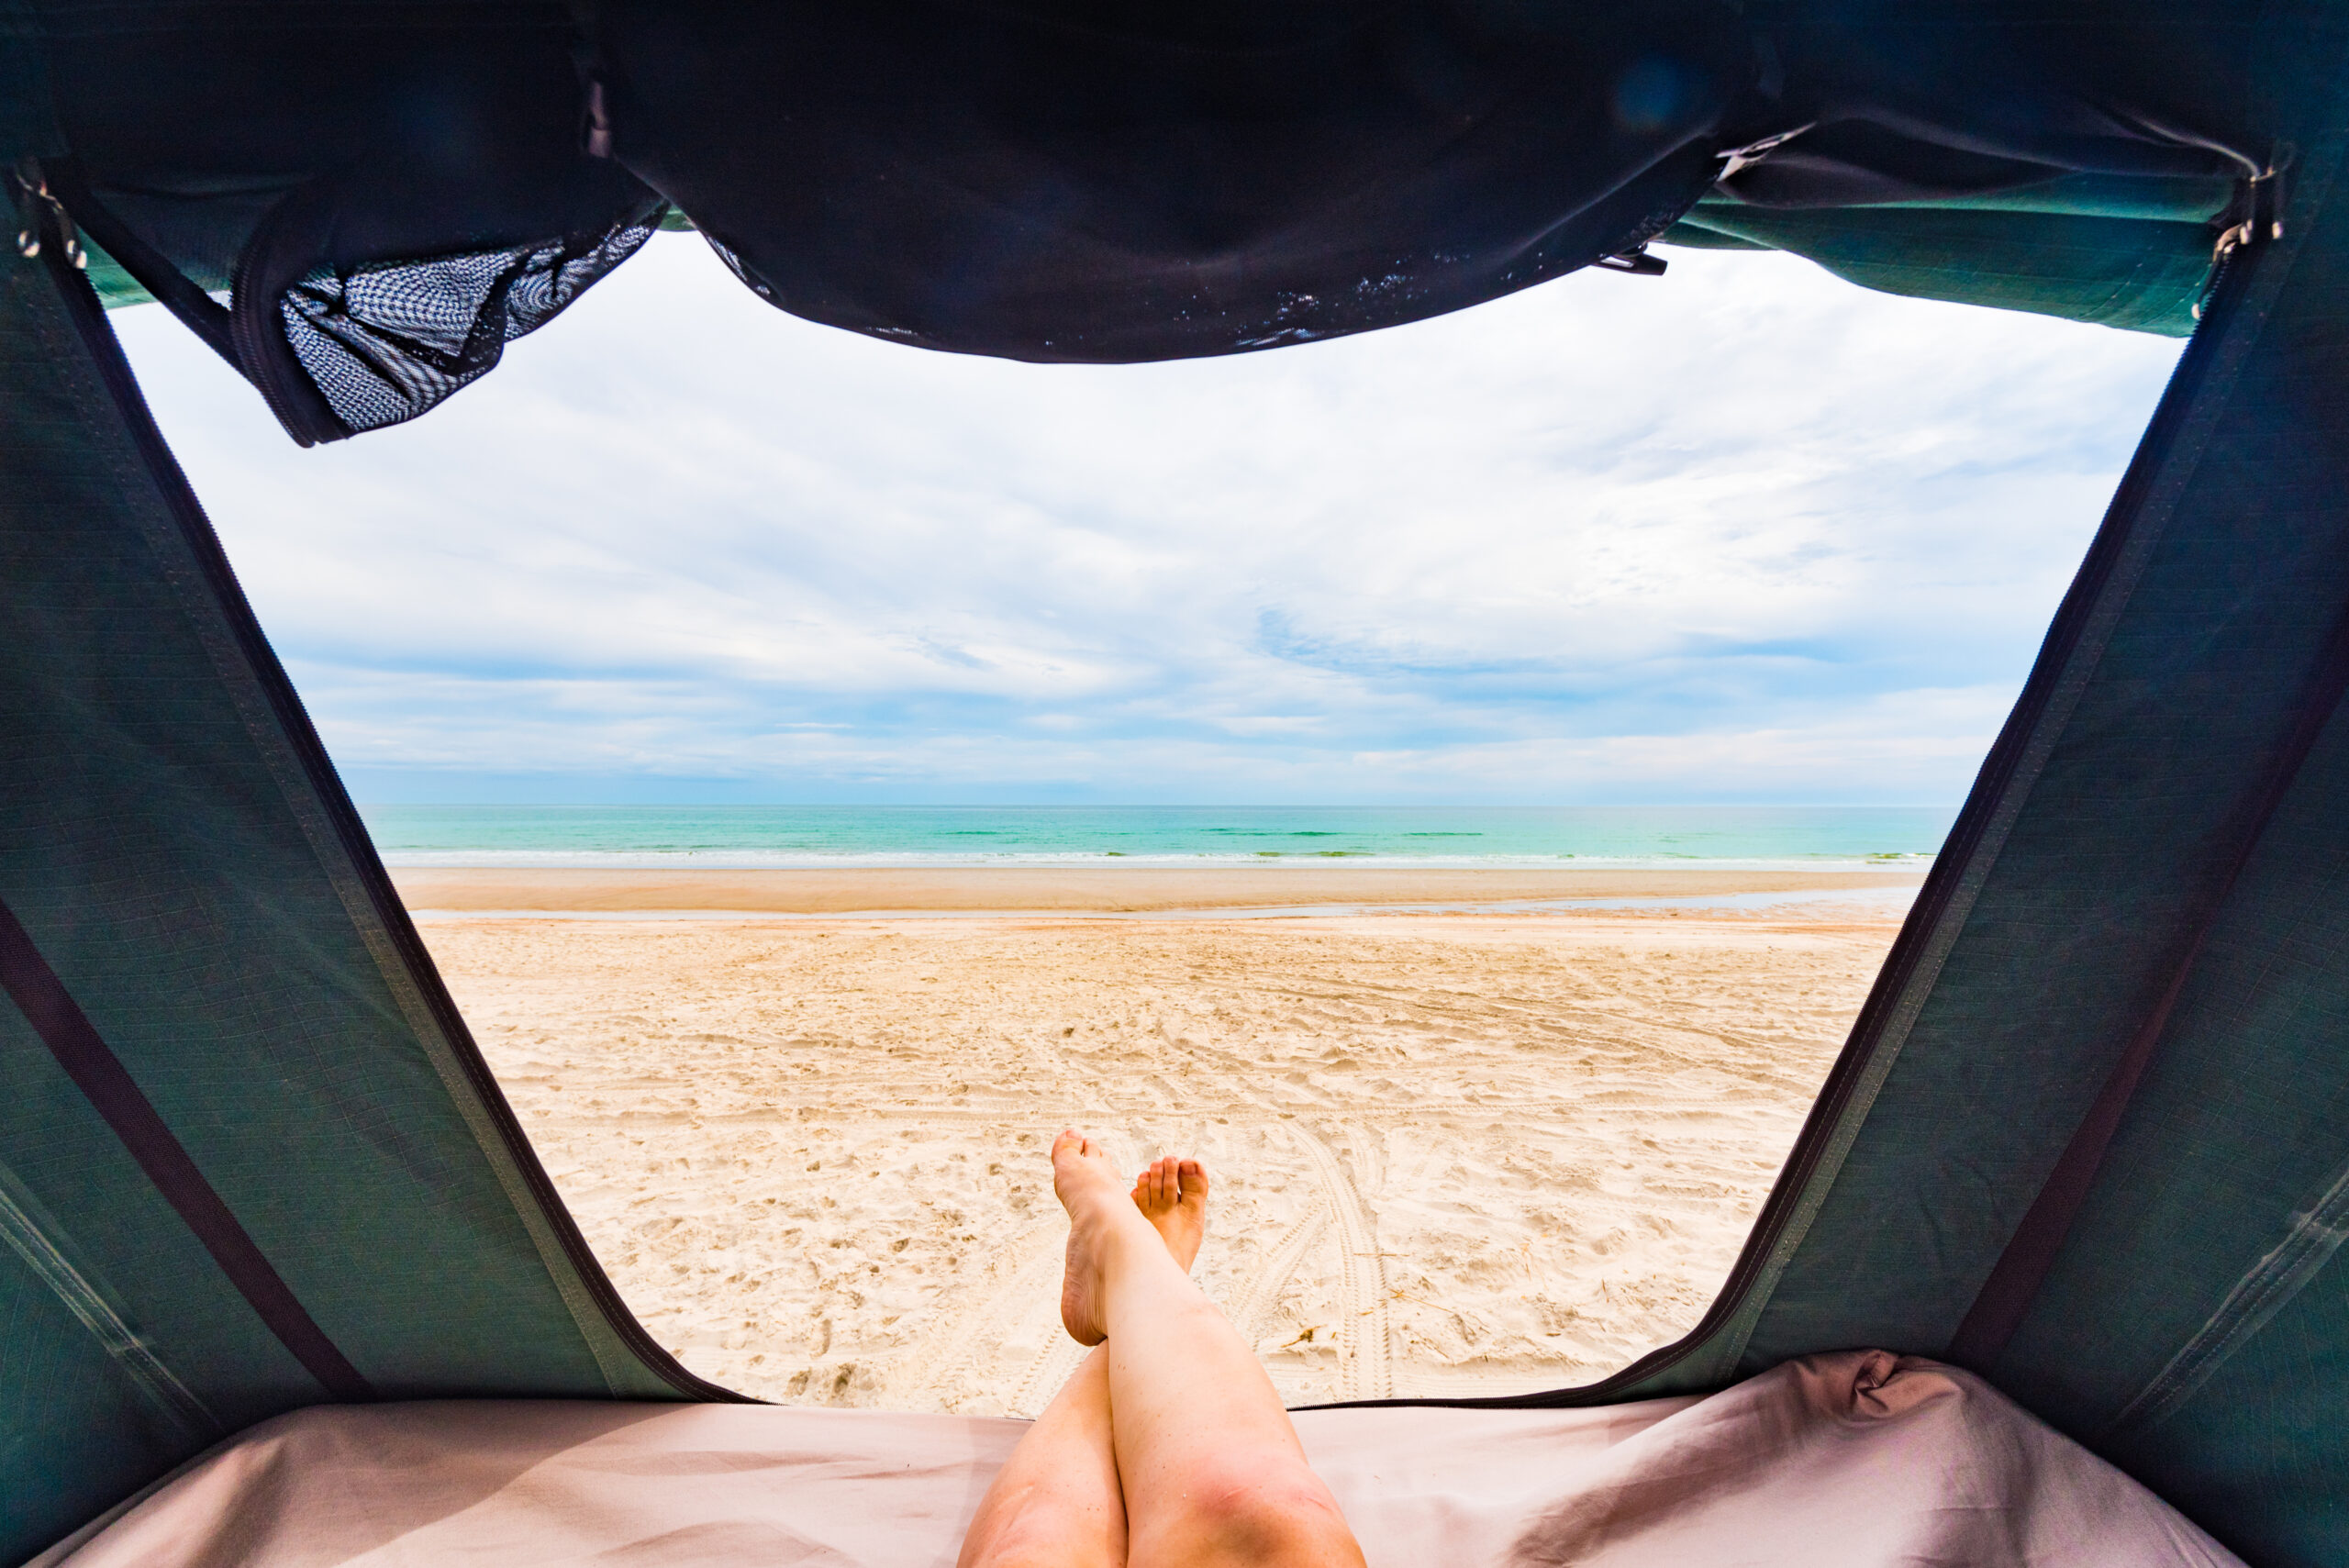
48 1264
2316 1234
41 994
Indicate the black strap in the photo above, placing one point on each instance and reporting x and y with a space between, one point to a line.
41 997
198 311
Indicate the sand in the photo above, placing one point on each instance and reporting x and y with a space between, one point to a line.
1454 1153
1076 888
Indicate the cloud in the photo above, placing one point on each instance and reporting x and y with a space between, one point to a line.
1744 532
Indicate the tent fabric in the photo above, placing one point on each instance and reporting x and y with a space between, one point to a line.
1857 1459
2142 274
239 1098
1112 183
2031 160
386 194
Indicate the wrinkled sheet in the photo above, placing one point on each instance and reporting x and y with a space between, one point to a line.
1856 1458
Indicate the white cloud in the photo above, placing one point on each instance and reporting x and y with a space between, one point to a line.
1744 532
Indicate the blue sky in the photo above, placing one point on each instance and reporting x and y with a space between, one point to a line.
1742 533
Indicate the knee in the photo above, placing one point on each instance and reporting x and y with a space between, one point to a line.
1021 1554
1031 1530
1270 1516
1026 1545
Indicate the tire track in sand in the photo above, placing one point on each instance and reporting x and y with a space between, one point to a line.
1252 1313
981 1329
1046 1372
1369 1367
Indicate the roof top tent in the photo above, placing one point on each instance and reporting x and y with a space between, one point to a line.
2087 1136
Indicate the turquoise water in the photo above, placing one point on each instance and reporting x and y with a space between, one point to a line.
751 837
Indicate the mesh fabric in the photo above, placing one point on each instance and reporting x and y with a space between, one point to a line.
385 341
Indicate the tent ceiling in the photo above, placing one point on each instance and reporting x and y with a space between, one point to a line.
387 193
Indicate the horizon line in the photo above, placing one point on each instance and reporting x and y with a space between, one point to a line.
1151 806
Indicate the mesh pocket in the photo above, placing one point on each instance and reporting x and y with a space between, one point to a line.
387 340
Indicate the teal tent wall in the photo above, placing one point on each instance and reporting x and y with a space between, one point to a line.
2129 254
178 861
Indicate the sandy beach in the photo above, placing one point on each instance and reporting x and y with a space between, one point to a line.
1076 889
1454 1152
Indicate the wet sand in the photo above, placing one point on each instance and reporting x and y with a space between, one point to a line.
1455 1153
1020 890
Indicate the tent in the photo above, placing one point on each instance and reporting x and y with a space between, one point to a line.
2087 1138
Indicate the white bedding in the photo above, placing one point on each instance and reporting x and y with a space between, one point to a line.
1858 1458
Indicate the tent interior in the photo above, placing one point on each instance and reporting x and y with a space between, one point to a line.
2085 1142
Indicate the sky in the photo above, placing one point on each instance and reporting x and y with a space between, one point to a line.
1742 533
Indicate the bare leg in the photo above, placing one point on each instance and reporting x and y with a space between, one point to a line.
1212 1471
1056 1503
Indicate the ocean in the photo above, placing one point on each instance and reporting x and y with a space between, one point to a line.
1739 837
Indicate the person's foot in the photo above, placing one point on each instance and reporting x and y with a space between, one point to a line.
1172 1196
1091 1190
